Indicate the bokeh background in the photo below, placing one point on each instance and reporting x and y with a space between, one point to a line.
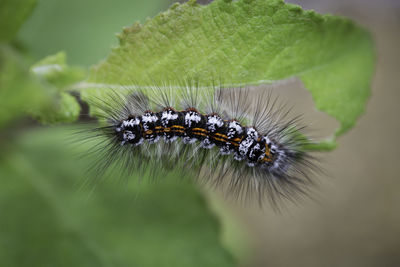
356 221
47 218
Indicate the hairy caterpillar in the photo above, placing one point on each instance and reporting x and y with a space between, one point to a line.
221 136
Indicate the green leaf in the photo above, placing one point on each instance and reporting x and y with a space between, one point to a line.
57 76
55 71
47 221
38 92
247 42
20 92
12 14
64 108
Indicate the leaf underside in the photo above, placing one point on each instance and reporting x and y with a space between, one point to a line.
247 42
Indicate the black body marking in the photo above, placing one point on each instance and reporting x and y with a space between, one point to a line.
265 156
190 125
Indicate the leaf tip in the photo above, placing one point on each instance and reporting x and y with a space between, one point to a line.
294 8
174 6
136 27
126 31
192 2
314 16
326 145
248 1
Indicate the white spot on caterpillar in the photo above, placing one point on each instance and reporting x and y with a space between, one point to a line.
191 117
206 143
225 150
153 140
170 140
148 118
245 145
252 133
257 147
131 122
274 148
238 157
189 140
234 128
167 116
128 135
267 141
214 122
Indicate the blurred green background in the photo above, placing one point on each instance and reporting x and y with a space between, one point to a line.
85 30
48 219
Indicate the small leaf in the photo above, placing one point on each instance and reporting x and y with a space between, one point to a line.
38 93
56 75
247 42
55 71
64 108
20 92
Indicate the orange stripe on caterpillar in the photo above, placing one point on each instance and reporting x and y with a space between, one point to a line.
265 157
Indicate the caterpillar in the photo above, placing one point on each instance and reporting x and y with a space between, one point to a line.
220 136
